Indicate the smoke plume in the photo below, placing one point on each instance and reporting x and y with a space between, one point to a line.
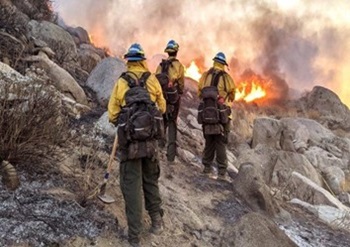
298 44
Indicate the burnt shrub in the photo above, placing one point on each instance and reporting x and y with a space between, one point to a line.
36 9
32 124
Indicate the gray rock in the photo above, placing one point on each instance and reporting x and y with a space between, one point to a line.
333 113
104 76
105 126
264 157
338 218
192 120
80 33
335 178
255 230
62 80
266 131
9 72
306 190
56 38
88 59
252 188
289 162
321 158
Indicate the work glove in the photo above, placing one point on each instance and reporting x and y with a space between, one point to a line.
231 96
221 100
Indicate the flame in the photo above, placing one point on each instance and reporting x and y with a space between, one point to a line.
98 40
193 71
91 38
97 37
249 91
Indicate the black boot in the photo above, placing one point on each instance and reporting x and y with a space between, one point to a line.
157 224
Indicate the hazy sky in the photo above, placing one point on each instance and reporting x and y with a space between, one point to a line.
305 43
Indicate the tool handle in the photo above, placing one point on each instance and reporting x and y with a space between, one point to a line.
111 157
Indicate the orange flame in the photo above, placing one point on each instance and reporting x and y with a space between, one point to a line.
249 91
97 37
193 72
91 38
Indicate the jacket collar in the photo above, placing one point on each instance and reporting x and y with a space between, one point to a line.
218 66
140 66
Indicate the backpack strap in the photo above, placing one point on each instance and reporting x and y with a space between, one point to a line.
215 77
143 79
166 63
132 82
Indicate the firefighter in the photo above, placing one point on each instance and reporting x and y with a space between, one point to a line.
173 88
216 135
138 175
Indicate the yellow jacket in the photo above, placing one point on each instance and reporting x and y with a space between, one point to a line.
176 72
117 99
226 85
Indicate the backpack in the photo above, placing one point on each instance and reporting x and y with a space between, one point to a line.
139 120
211 113
169 88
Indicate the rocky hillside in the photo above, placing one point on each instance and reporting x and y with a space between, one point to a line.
289 179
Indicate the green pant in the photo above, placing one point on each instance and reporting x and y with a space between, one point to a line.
172 133
136 176
170 125
216 145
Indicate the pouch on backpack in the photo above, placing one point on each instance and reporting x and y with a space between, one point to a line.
224 112
213 129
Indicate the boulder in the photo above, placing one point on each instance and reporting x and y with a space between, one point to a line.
294 136
88 59
9 72
321 159
75 109
192 120
263 156
60 41
266 131
338 218
188 157
105 126
104 76
101 52
306 190
289 162
255 230
335 178
333 113
62 80
80 33
252 188
185 128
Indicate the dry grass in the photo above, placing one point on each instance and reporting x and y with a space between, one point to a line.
90 173
31 122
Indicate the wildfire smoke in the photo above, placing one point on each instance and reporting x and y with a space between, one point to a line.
294 44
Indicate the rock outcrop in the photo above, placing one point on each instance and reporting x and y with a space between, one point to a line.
103 78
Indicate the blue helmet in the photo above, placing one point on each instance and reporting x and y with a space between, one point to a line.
135 53
220 58
172 46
